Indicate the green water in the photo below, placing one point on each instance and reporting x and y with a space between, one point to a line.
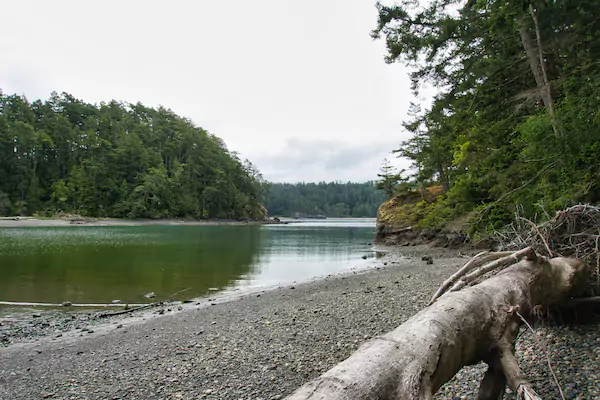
102 264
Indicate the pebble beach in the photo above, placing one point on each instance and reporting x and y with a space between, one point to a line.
264 345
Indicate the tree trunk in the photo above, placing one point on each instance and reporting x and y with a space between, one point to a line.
537 63
461 328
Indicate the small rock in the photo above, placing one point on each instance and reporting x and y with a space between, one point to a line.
67 304
116 301
150 295
364 257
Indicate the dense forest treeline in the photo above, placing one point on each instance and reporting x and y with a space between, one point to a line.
333 199
516 122
117 160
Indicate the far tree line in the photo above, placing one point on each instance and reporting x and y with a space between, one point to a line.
132 161
332 199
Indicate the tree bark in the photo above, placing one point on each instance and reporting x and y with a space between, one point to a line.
537 63
460 328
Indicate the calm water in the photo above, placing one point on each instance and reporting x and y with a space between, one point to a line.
102 264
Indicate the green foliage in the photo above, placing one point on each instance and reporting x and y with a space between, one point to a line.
331 199
118 160
389 178
489 137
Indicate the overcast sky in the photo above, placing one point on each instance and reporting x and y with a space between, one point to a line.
297 87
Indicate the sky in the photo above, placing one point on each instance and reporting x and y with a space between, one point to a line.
297 87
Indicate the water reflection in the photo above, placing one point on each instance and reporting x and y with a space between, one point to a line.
102 264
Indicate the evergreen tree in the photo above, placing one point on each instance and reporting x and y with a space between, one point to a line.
388 177
332 199
515 120
118 160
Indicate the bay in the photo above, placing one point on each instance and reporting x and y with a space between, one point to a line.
96 265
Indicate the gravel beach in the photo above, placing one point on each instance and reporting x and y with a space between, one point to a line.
264 345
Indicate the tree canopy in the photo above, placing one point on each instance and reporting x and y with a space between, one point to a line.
516 119
117 160
333 199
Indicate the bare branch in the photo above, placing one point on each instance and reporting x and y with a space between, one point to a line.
499 264
473 263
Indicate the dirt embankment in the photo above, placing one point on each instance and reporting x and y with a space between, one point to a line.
398 221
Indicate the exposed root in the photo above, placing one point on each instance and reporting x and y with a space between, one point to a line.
540 345
495 266
525 392
480 259
573 232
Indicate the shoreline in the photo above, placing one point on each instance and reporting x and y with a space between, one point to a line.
49 315
265 345
31 222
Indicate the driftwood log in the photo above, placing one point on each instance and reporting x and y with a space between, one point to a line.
461 327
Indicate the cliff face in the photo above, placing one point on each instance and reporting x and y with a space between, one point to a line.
405 210
398 219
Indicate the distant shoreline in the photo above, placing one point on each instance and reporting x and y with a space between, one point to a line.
30 222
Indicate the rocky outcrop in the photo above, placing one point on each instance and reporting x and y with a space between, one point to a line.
402 212
398 221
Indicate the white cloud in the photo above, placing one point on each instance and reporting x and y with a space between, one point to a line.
314 160
270 77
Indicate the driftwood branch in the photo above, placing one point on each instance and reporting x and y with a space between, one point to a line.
460 328
130 310
475 262
499 264
155 304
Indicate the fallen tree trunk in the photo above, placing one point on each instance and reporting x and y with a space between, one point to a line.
461 328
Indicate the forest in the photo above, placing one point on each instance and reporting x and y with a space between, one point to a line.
118 160
514 130
332 199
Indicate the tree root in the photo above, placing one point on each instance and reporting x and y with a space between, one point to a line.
484 263
460 328
494 381
475 262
